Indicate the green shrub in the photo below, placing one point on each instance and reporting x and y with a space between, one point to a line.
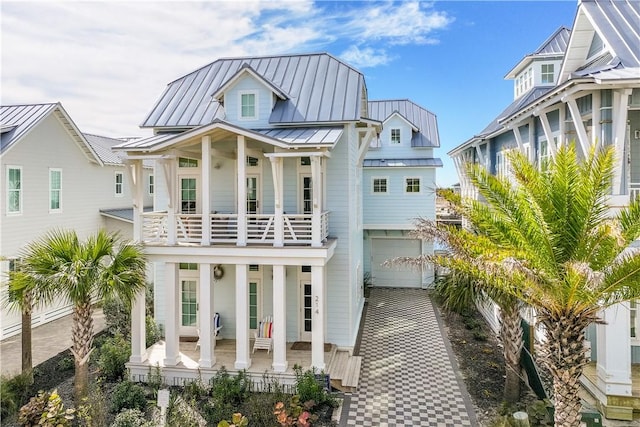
117 316
230 389
129 418
128 395
114 353
195 390
13 392
31 412
94 409
66 364
310 388
153 333
54 414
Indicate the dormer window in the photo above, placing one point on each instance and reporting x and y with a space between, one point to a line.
248 105
395 136
546 73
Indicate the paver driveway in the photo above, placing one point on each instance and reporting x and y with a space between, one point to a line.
408 375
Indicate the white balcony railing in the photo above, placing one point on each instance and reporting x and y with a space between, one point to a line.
634 190
223 228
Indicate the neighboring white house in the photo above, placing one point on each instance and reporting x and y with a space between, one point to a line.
399 186
581 85
259 207
53 177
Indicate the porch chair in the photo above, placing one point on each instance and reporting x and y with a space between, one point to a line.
263 336
216 328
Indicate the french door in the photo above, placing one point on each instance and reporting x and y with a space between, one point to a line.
189 307
306 310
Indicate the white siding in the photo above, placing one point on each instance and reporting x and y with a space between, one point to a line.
264 107
403 150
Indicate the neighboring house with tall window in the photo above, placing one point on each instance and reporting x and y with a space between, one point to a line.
582 85
53 177
259 210
399 185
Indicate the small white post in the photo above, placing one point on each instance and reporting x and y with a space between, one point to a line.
163 404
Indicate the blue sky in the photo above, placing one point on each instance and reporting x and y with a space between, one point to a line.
107 62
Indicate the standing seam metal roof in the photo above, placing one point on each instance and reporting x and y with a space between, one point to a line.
319 87
17 120
102 146
424 120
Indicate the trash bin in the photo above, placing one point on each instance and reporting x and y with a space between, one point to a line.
591 419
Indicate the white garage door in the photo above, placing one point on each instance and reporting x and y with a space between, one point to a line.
401 277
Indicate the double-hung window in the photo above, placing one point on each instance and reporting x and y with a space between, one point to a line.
151 185
395 136
55 190
412 185
119 184
380 186
248 105
14 189
546 73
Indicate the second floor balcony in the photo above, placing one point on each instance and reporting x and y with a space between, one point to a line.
164 228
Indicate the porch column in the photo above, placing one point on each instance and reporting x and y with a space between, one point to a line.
169 167
172 321
578 124
138 331
206 190
242 192
280 363
533 144
316 217
619 114
243 360
614 351
134 171
207 340
277 172
317 317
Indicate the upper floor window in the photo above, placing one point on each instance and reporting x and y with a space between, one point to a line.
151 184
119 184
546 73
380 185
248 102
55 190
305 161
253 161
412 185
14 189
188 266
184 162
395 136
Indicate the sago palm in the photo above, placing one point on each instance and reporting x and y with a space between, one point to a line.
549 240
59 265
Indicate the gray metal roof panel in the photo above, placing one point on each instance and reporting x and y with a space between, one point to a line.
149 142
307 135
403 163
556 44
123 214
320 87
102 146
20 119
424 120
618 22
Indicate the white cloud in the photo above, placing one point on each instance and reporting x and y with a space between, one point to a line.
365 57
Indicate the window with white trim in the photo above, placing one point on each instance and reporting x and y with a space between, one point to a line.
119 184
248 105
395 135
184 162
14 189
151 184
546 73
379 185
55 190
412 185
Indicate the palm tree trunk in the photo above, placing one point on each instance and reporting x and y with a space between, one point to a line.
82 332
511 336
565 357
27 354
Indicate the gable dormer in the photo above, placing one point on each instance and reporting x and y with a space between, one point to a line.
248 98
542 67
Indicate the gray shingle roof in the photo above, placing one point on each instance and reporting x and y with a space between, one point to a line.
424 120
318 87
17 120
402 163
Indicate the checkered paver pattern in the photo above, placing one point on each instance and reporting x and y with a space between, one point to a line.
408 377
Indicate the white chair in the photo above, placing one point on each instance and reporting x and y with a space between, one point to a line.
217 326
263 336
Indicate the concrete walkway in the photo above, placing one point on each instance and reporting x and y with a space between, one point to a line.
46 341
409 375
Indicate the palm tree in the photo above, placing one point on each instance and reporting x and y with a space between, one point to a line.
21 298
460 292
59 265
549 241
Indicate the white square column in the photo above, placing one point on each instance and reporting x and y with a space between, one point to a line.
205 320
242 191
206 190
317 317
614 351
172 321
243 360
138 330
280 363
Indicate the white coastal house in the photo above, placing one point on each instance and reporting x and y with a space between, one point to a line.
258 212
53 177
582 85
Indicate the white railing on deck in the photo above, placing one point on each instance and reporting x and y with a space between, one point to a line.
223 228
634 190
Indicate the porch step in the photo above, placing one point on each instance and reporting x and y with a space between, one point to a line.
344 371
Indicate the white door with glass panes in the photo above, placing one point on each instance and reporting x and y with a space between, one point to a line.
189 307
306 310
253 194
255 304
306 196
189 203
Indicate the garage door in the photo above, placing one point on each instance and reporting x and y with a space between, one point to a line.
401 277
